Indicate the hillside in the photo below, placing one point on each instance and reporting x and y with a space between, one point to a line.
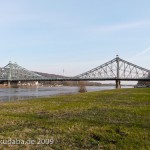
66 83
49 75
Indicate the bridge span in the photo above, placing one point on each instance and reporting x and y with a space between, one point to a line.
115 70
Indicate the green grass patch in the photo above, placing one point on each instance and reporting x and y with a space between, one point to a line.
108 120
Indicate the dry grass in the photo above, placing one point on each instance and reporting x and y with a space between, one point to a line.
115 119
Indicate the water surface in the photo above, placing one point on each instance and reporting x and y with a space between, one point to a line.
11 94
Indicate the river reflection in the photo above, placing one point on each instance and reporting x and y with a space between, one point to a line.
11 94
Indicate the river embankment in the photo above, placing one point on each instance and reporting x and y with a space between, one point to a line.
109 119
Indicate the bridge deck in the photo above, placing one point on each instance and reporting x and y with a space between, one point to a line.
80 79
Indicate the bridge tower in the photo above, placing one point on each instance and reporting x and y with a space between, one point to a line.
118 85
10 73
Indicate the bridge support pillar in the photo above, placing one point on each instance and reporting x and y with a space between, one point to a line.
118 85
9 84
13 84
37 83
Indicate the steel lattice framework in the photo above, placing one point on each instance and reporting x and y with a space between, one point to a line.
117 69
12 71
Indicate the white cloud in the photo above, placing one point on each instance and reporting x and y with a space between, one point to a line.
142 57
143 52
118 27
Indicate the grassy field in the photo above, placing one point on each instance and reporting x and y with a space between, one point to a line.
107 120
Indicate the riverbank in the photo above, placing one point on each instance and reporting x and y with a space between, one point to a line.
114 119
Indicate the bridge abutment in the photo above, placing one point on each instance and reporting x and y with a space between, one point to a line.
118 85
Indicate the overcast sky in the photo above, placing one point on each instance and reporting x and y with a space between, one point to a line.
74 35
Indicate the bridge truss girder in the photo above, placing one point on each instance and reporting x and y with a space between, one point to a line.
12 71
117 69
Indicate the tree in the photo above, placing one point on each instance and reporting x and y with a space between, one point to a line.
82 87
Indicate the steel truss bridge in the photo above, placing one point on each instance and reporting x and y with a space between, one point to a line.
116 69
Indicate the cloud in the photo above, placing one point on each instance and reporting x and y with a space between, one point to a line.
119 27
142 57
143 52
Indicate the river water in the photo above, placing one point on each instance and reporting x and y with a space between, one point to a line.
11 94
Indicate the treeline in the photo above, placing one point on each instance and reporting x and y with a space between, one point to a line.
144 83
69 83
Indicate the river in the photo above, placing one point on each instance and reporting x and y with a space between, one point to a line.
12 94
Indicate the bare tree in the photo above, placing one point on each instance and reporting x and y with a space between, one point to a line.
82 87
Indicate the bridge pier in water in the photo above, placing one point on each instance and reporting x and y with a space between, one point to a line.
13 84
118 85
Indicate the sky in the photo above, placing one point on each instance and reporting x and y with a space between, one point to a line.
73 35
